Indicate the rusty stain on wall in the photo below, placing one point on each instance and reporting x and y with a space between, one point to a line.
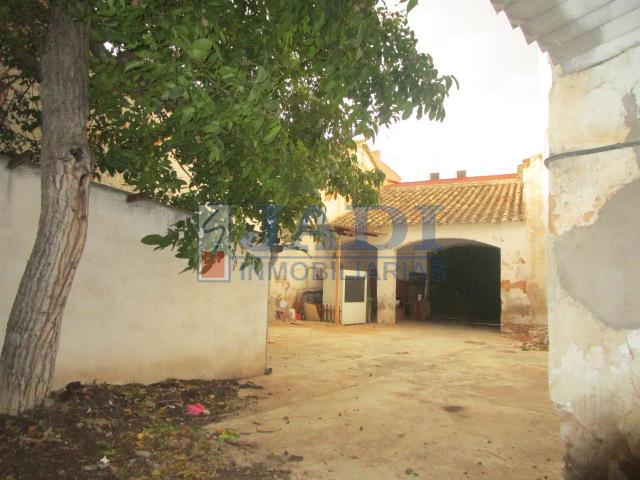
507 285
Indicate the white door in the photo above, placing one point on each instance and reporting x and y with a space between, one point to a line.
354 297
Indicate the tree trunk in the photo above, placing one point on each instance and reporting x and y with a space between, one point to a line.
33 330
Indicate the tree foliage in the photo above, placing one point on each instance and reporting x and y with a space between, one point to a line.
256 102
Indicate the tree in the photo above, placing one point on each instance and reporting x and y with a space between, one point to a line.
256 101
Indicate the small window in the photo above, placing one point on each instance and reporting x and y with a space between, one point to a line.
354 289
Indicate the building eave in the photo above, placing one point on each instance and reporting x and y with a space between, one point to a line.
577 34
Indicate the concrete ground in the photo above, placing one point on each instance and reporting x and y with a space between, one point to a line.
403 401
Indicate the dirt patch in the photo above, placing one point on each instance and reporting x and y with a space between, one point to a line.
356 406
133 431
330 327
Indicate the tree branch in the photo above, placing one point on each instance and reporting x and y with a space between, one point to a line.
28 59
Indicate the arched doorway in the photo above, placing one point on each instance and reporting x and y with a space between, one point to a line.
453 281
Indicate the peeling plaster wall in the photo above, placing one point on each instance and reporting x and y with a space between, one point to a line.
594 268
131 316
535 179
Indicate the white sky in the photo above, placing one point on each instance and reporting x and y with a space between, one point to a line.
499 115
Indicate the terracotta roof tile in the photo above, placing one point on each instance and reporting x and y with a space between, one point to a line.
491 199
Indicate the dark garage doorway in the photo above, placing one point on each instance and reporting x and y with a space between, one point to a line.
464 285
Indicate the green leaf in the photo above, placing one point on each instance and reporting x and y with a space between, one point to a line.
227 73
272 134
262 75
212 128
227 435
133 65
107 12
204 44
411 5
272 105
153 239
187 114
175 92
200 49
214 154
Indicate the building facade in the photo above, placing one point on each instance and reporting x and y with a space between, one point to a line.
469 249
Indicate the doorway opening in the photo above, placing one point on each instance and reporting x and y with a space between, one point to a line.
359 264
349 294
464 285
458 282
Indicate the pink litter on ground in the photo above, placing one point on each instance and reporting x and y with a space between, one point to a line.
195 409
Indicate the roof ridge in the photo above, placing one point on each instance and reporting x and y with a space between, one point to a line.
464 181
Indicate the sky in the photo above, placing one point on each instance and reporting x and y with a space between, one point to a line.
496 119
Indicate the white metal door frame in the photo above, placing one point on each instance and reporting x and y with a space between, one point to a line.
354 297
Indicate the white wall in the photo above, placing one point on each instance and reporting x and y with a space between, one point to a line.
131 315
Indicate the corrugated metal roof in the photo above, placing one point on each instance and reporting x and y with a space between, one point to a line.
491 199
577 34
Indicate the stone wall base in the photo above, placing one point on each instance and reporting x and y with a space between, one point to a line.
535 335
598 452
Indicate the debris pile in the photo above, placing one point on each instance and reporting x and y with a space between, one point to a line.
102 431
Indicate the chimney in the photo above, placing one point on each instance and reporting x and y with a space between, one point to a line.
434 176
461 173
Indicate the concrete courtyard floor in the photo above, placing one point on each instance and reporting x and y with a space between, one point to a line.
402 401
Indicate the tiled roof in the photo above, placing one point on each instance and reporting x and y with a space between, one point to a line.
490 199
